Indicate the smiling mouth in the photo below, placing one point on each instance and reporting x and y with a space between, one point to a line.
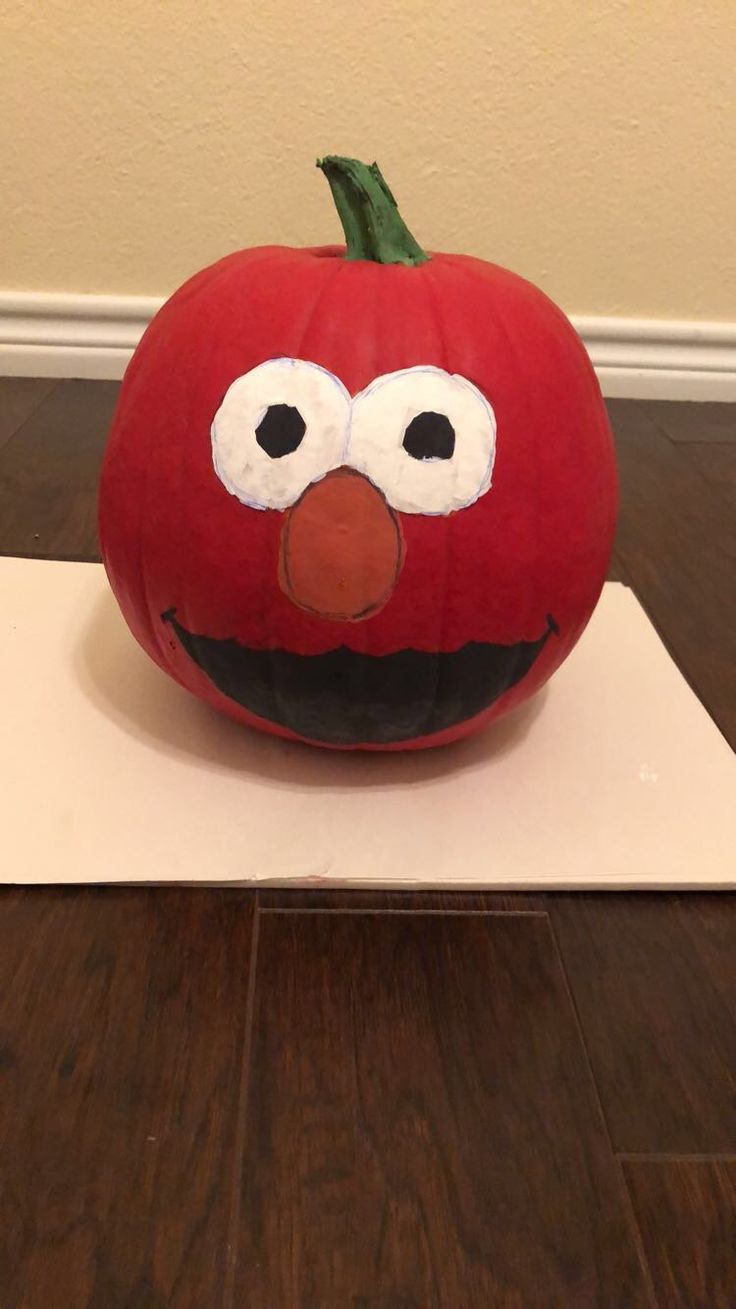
343 697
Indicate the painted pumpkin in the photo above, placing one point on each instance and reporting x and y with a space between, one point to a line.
359 496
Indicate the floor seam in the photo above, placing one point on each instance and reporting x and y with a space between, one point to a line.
676 1156
437 913
233 1228
626 1200
17 430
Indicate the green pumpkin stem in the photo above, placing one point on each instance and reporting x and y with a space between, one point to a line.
373 226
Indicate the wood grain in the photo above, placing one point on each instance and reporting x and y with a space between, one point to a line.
447 902
687 1217
19 398
717 464
423 1131
121 1028
654 980
49 471
686 420
677 540
617 571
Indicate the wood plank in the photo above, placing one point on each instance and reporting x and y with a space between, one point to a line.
677 540
359 901
687 1217
654 980
690 420
19 398
617 571
121 1045
716 463
49 471
422 1128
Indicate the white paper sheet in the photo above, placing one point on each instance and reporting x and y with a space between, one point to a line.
613 776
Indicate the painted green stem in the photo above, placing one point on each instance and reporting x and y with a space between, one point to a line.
373 226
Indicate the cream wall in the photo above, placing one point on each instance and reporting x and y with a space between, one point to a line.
589 144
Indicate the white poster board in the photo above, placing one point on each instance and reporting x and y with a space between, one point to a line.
614 776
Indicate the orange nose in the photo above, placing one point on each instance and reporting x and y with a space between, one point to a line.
341 548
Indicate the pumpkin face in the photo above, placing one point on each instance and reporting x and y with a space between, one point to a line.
356 503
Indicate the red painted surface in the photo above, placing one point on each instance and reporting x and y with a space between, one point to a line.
537 542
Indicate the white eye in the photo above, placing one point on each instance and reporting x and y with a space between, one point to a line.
280 426
425 437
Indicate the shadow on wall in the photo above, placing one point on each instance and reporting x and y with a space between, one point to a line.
125 685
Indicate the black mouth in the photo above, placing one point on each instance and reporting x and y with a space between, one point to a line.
343 697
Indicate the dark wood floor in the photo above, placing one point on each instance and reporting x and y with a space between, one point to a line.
370 1101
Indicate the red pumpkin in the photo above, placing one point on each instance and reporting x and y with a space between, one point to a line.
363 497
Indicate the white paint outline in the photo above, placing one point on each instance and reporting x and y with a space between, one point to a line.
247 496
346 458
485 481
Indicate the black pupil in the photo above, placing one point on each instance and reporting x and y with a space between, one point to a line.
430 436
280 431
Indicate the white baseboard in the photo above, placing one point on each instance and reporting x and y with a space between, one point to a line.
661 359
94 336
60 335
